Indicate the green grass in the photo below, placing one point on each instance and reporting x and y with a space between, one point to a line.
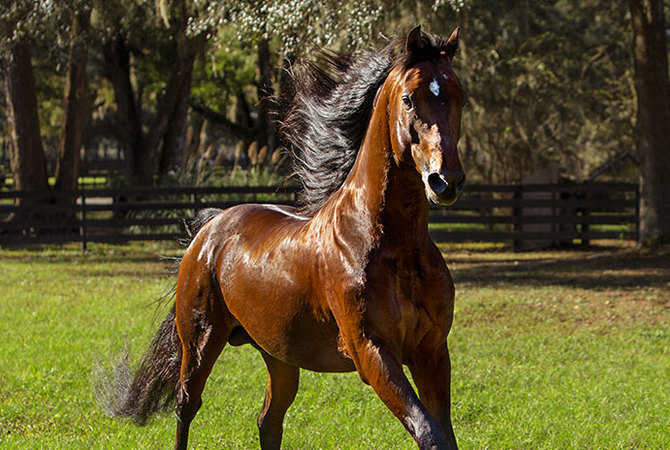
549 350
87 180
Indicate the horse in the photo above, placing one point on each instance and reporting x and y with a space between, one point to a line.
348 280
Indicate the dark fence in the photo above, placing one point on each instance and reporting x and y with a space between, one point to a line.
536 216
528 216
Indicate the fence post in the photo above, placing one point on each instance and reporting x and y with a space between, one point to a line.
517 211
82 224
585 228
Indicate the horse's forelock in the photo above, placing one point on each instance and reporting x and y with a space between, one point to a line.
431 48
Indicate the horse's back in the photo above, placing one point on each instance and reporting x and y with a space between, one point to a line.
250 224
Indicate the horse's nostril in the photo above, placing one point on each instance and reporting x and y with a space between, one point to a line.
437 183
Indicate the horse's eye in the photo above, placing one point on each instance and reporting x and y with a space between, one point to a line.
407 102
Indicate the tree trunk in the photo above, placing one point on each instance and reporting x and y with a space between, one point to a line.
193 136
129 126
67 170
150 155
174 151
652 133
173 154
243 112
27 160
170 107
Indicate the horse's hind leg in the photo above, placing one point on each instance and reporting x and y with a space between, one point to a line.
281 390
204 325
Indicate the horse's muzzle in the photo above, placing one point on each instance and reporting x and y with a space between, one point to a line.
444 189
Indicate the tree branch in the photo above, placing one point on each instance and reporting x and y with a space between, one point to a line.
238 130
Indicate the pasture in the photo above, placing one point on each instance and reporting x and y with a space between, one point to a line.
549 350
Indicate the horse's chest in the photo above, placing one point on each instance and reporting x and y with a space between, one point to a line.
414 296
411 296
412 279
409 284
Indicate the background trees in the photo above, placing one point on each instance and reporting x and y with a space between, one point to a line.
652 132
171 83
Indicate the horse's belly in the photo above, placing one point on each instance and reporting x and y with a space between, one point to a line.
295 337
312 345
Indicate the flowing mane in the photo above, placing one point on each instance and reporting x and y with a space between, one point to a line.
328 116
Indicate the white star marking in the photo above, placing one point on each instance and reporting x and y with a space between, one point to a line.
434 87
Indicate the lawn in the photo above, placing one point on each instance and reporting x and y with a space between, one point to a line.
549 350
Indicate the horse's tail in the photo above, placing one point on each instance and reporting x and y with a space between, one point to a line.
155 384
153 387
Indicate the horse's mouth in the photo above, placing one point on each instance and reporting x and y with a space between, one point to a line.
441 192
445 198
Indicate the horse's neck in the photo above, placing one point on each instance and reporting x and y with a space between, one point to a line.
404 216
379 198
352 214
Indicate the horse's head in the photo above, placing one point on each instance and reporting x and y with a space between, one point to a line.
425 115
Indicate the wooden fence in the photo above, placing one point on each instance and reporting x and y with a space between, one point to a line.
528 216
532 216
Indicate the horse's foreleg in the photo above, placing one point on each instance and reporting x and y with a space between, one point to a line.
431 372
281 391
380 367
204 327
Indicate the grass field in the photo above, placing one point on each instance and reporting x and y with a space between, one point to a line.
549 350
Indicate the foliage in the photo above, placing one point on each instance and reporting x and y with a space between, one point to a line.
45 21
224 72
549 82
295 24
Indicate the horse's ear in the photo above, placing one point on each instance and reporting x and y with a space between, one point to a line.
452 44
414 40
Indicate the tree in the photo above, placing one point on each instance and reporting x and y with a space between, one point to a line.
76 102
27 160
652 132
280 31
25 23
134 47
548 83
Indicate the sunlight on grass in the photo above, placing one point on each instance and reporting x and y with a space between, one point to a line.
549 350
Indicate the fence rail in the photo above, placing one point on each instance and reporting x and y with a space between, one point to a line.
527 215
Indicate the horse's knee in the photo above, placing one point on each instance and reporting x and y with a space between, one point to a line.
187 406
202 344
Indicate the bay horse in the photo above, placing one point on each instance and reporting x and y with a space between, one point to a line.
350 280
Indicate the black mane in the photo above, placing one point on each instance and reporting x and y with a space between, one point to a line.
328 117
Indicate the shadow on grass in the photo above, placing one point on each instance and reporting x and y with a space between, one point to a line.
586 270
